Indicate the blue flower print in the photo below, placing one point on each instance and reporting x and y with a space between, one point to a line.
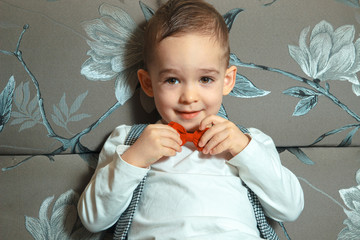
116 50
331 55
351 197
63 223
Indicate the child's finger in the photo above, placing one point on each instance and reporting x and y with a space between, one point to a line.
164 131
210 133
174 136
219 148
171 144
170 139
216 139
209 121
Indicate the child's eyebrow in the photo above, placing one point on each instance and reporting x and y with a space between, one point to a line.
201 71
167 71
209 71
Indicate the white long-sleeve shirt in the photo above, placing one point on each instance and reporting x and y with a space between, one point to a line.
191 195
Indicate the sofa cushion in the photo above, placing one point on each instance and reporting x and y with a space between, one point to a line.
63 96
49 191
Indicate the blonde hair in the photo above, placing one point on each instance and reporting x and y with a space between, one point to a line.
178 17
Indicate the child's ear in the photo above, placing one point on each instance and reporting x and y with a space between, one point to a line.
230 79
145 82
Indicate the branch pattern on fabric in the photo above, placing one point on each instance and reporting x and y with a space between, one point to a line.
114 55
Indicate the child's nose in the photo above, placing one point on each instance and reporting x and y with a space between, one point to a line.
189 95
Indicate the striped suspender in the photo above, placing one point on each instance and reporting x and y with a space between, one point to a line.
124 222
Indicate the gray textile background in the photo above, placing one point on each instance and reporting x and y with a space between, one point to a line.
57 99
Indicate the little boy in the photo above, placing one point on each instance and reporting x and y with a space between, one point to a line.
190 192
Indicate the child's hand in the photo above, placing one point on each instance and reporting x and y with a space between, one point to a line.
157 141
222 136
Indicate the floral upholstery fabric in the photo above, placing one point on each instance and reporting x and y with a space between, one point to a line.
68 78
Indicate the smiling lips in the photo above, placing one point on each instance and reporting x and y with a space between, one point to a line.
188 115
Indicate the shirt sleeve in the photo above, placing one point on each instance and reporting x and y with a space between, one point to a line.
277 188
110 189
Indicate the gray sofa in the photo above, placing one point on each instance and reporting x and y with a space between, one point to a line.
65 84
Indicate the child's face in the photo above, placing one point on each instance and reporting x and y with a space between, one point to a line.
187 78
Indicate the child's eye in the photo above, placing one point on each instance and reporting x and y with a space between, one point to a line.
172 81
206 80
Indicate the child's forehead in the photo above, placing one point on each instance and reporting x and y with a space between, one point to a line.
213 38
189 52
189 41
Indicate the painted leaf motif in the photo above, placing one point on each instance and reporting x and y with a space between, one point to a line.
270 3
32 105
18 120
300 92
63 106
28 114
332 132
78 117
234 60
230 17
77 103
300 155
57 117
147 11
26 96
19 95
348 139
6 98
63 114
244 88
26 125
305 105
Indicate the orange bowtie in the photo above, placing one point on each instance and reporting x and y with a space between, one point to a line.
188 137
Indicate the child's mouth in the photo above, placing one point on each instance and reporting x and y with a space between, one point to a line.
188 115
